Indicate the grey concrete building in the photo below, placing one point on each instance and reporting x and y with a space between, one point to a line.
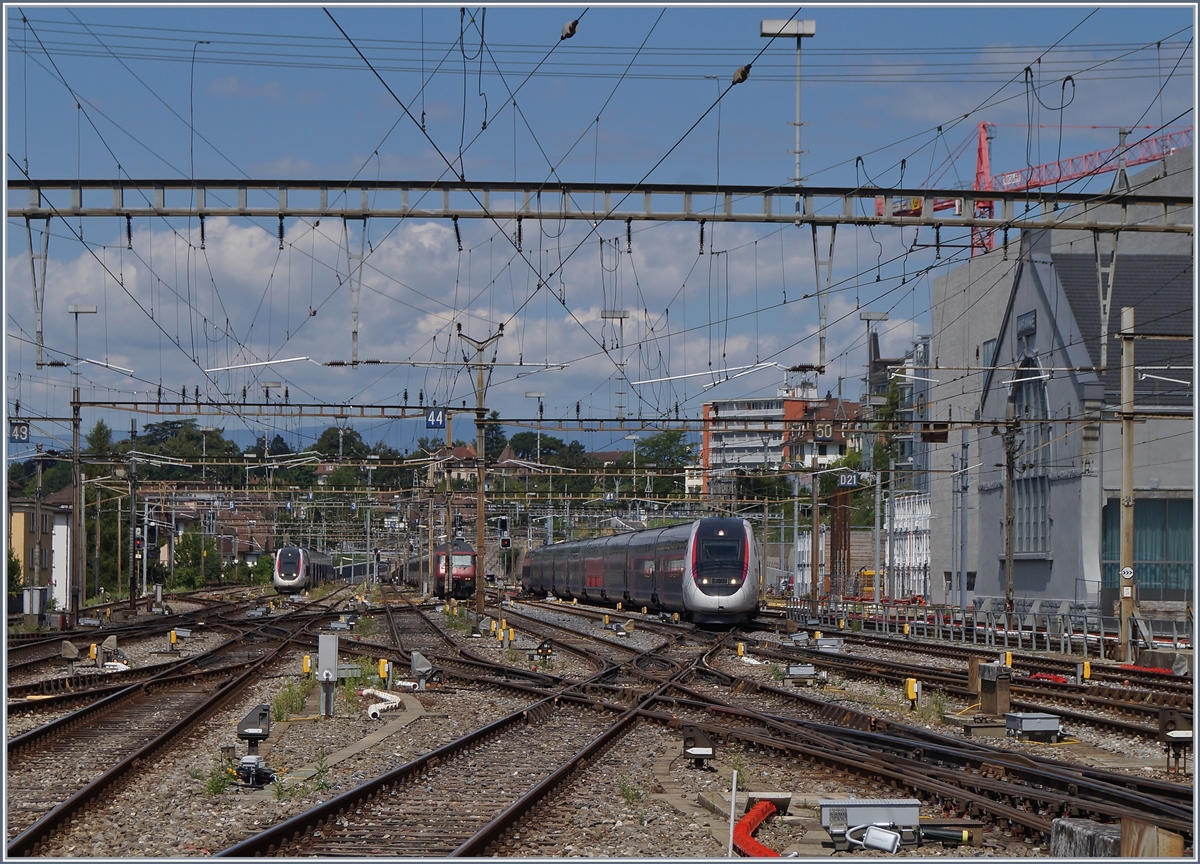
1032 332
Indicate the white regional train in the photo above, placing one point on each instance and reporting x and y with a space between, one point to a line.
297 569
705 570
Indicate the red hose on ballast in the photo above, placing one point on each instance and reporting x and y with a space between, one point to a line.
743 832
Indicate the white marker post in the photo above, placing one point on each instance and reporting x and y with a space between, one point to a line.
732 811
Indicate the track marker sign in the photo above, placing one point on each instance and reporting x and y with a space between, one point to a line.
435 418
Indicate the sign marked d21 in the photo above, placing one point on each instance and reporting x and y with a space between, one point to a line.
435 418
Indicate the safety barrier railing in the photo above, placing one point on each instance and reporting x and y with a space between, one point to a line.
1072 633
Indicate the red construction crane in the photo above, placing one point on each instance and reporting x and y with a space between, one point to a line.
1035 177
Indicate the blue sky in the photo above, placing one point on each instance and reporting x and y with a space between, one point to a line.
280 93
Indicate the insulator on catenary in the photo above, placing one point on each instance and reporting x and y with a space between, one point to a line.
280 230
201 231
128 231
629 235
457 233
518 233
702 221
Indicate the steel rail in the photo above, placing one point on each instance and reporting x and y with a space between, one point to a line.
34 837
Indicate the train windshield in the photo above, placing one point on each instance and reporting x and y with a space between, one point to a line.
716 553
289 563
460 560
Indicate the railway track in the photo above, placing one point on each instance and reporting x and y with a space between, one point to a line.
436 804
954 682
109 737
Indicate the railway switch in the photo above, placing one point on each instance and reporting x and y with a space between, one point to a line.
698 747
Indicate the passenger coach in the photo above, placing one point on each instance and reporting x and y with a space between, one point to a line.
706 570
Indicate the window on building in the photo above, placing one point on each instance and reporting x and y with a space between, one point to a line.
822 450
1162 547
32 522
989 352
1031 486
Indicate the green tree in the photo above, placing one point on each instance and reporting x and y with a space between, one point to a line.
494 439
100 439
196 560
346 475
14 572
351 443
666 454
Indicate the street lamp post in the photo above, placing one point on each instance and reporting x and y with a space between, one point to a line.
772 28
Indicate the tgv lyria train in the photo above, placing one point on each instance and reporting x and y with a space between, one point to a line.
297 569
706 570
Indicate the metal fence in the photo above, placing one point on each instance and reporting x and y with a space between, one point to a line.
1084 634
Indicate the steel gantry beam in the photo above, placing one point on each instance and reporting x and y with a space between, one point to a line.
596 202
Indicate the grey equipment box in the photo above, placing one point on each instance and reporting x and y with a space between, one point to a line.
327 657
901 812
840 815
1032 725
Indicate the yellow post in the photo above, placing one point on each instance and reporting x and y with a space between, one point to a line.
643 610
383 666
605 620
905 629
174 638
1087 669
512 634
1007 658
92 651
306 665
574 601
741 649
817 634
493 625
618 605
675 617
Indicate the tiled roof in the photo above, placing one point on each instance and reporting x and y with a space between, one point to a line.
1160 288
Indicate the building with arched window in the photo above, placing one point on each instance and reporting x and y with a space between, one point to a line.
1032 327
1062 393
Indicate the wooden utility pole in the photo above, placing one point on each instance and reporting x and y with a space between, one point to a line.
480 465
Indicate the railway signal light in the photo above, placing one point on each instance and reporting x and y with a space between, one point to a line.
503 524
505 542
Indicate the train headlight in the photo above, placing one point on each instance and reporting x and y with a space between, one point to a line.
703 581
733 581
